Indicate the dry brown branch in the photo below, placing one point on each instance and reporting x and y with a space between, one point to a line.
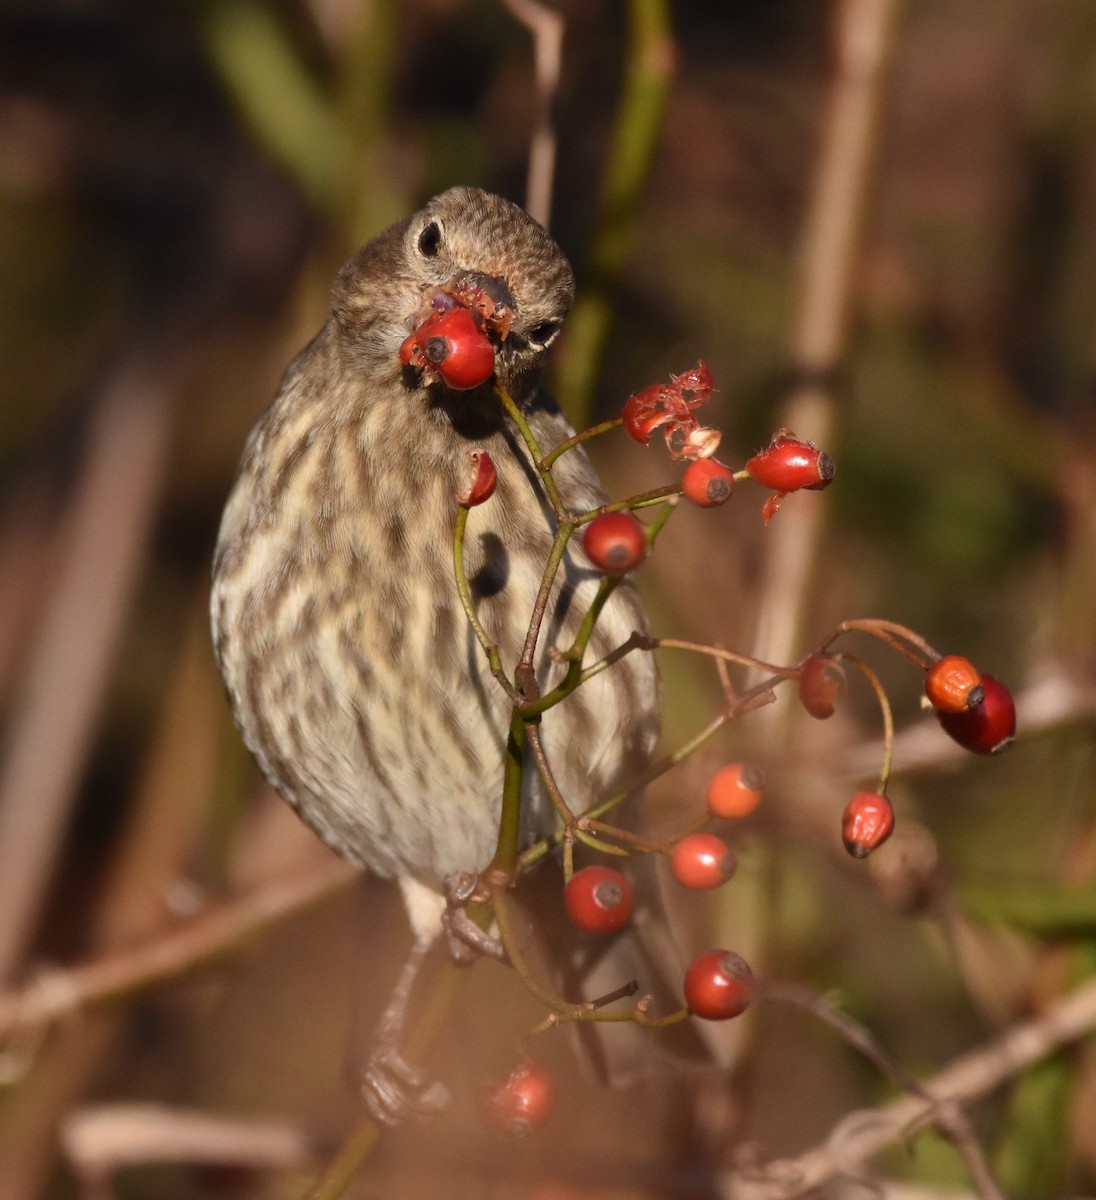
547 26
101 1140
863 1134
819 334
214 932
108 526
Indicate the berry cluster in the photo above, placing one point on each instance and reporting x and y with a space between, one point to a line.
455 342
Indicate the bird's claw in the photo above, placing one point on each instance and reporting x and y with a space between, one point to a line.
394 1090
465 940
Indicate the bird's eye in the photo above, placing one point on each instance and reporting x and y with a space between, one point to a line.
430 240
544 333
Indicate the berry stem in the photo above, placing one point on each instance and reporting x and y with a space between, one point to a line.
893 634
642 500
885 709
530 439
540 605
494 659
536 745
721 655
577 439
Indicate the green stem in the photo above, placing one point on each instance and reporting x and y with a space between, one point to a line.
577 439
494 659
506 848
530 439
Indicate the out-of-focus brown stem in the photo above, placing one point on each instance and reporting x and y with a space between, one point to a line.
547 26
168 955
819 333
111 515
966 1079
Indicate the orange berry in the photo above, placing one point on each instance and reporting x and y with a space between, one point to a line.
953 684
735 791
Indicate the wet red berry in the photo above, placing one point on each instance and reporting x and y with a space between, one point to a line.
821 678
615 542
453 344
953 684
718 985
702 861
788 463
735 791
867 823
484 479
523 1104
707 482
990 726
598 899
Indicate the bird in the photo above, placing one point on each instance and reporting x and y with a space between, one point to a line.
350 665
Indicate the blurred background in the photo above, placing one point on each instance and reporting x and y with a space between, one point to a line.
876 222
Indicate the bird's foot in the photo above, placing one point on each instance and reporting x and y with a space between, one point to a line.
394 1090
465 940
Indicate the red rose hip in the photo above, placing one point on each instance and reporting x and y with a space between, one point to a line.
453 344
708 483
615 542
718 985
821 678
867 823
598 899
702 861
523 1103
788 463
988 727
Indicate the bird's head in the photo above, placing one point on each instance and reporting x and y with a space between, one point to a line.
466 247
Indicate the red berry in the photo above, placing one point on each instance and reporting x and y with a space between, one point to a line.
702 861
734 791
484 479
990 726
644 413
598 899
820 679
718 985
523 1103
453 344
707 482
953 684
867 823
789 463
615 542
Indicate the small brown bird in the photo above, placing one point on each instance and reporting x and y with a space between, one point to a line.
350 665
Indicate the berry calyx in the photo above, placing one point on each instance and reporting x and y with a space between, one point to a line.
988 727
615 542
867 823
523 1104
718 985
788 464
598 899
453 344
953 684
820 679
734 791
702 861
707 482
484 479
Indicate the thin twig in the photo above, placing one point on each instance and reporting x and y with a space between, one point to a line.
214 932
968 1078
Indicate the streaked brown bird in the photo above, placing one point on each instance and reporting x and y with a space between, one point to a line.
349 662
